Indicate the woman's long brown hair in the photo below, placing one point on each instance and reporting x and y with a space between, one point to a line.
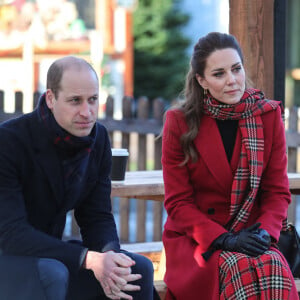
192 107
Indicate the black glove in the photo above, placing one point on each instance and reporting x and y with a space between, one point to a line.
262 233
251 241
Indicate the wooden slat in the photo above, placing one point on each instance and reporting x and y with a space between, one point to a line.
292 137
149 185
155 252
145 247
132 125
142 114
158 112
140 184
124 217
161 288
141 221
297 281
157 153
157 221
294 182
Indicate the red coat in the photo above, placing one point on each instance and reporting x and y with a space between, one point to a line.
197 199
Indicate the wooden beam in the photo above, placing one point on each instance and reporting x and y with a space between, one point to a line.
128 57
252 23
279 49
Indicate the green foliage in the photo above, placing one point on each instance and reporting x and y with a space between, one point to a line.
160 60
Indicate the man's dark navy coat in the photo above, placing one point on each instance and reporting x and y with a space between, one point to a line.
32 203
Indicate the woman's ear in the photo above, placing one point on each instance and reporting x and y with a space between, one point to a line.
201 81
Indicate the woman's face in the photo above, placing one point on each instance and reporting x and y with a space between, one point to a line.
224 76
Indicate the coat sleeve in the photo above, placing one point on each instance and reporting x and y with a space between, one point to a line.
94 215
17 235
183 214
274 195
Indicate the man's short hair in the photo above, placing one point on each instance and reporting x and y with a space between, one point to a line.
56 70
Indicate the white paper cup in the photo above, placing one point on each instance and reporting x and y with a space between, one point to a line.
119 163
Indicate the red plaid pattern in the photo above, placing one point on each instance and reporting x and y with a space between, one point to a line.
243 277
248 174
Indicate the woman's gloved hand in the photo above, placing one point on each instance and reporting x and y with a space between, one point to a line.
252 241
264 235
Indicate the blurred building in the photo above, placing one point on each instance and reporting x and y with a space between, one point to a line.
205 16
35 33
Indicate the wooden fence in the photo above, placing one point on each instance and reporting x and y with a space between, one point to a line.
138 131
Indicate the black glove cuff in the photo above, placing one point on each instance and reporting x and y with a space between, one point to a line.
219 242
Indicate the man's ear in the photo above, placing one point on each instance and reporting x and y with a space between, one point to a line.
201 81
50 98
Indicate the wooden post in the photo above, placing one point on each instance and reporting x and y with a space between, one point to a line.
109 112
125 202
158 112
292 160
252 23
19 102
128 57
28 65
127 114
279 49
1 101
142 114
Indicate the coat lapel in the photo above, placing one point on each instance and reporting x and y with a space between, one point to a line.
236 151
211 150
47 159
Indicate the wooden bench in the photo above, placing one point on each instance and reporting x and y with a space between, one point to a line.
155 252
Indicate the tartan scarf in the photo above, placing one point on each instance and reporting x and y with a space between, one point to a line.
247 177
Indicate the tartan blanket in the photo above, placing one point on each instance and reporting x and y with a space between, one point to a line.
243 277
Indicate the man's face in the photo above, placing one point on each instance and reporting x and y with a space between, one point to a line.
76 107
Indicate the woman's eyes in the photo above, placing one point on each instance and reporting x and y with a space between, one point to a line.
218 74
237 69
233 70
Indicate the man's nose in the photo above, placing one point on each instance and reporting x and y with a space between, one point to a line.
85 109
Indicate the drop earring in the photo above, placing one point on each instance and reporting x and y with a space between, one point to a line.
205 92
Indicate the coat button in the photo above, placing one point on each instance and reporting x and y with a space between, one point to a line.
211 211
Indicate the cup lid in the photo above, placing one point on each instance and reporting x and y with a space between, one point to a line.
119 152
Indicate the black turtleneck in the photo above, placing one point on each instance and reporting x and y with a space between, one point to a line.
228 129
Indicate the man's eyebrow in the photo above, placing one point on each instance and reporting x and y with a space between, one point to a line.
74 96
95 95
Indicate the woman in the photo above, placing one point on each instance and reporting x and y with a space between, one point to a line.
227 193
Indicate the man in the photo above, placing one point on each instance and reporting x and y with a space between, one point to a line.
55 159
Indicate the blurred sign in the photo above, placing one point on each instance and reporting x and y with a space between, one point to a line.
127 4
6 2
